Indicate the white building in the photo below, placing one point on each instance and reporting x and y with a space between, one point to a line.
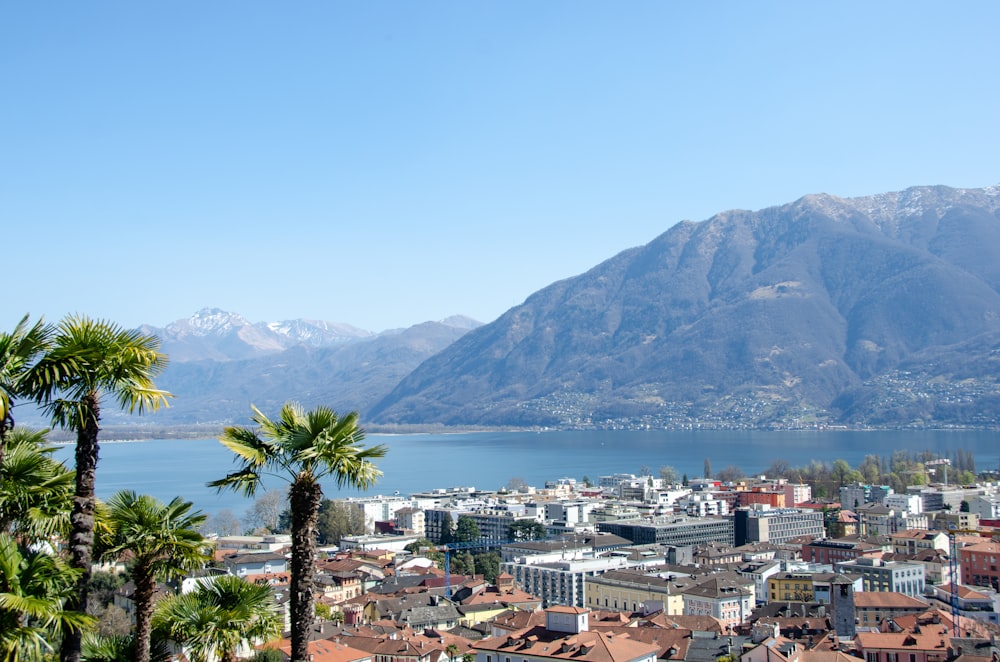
560 582
910 503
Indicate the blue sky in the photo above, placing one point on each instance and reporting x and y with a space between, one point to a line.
387 163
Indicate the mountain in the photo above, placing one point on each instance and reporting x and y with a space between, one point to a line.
222 336
821 311
220 364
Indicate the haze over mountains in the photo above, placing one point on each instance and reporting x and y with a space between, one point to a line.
874 311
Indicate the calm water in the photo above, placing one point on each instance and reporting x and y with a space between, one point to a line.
489 460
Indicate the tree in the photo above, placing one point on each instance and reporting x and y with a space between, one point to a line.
730 474
219 617
447 530
586 481
488 565
841 472
303 447
266 510
466 529
19 350
35 489
526 529
34 589
708 467
779 469
223 523
668 475
338 519
517 484
86 361
119 648
162 540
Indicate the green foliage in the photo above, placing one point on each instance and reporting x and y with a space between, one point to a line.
488 565
271 655
222 614
34 587
426 548
35 489
338 519
466 529
119 648
526 529
103 585
447 530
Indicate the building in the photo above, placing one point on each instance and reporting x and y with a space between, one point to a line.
560 582
835 550
880 576
566 637
980 564
728 598
775 525
796 493
676 531
872 609
915 541
635 590
790 586
759 572
412 520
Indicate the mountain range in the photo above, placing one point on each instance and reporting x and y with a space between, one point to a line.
874 311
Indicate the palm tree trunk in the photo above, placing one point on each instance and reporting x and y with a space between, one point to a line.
81 538
305 497
145 589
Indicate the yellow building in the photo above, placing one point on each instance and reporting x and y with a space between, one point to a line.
627 590
790 586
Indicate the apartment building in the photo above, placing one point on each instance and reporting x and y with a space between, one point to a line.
777 525
676 531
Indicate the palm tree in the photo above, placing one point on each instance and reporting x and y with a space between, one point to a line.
87 360
18 351
34 587
163 541
119 648
219 617
35 489
302 447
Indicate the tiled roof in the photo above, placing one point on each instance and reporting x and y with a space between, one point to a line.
908 641
886 600
582 647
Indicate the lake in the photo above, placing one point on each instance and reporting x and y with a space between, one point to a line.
488 460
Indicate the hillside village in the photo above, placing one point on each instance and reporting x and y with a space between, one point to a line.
635 569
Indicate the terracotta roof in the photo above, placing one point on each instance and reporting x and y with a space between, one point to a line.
907 640
563 609
886 600
326 650
584 646
673 643
693 623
